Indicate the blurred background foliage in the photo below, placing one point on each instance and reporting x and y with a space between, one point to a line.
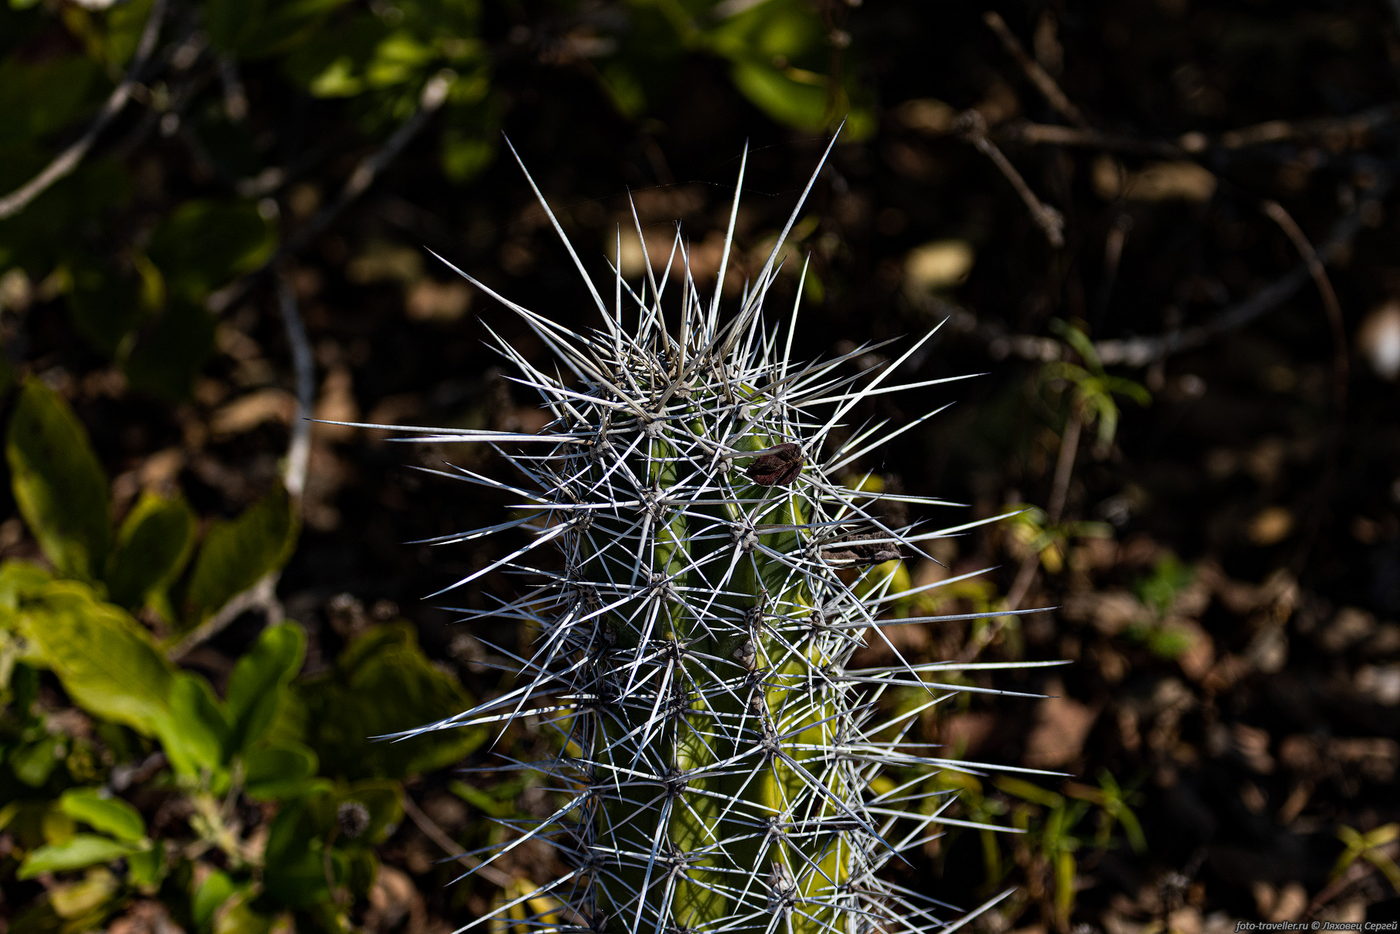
1164 228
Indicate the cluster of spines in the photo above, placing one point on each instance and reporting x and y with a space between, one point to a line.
718 752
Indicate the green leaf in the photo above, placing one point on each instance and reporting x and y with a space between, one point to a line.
19 581
148 867
216 889
107 299
231 22
101 811
254 31
64 85
237 916
276 772
196 733
204 244
152 546
85 904
58 484
79 850
105 660
383 683
259 682
294 872
237 554
789 95
33 762
168 352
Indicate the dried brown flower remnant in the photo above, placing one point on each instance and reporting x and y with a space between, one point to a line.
859 552
777 466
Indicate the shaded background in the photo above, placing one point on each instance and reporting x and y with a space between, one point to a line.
1162 230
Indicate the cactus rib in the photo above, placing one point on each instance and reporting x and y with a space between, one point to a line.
719 755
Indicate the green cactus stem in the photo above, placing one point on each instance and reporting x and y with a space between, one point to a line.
693 647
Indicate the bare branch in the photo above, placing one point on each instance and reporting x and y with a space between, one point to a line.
1141 351
304 368
973 128
1037 75
69 159
430 101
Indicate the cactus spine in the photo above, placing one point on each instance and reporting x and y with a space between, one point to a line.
719 753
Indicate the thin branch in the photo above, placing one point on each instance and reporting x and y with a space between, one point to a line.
1195 144
439 836
430 101
304 368
1141 351
68 160
1318 272
973 128
261 596
1037 75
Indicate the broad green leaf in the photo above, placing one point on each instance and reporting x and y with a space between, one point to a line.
86 902
196 732
148 868
216 889
58 484
124 24
273 772
79 850
64 84
42 234
237 554
100 811
204 244
237 916
789 95
231 22
258 29
152 546
108 299
33 762
259 682
19 580
383 683
168 352
465 154
294 868
105 660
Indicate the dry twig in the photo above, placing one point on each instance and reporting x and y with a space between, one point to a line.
973 127
1037 75
430 101
66 161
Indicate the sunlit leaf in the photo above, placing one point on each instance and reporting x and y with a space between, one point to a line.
204 244
105 660
76 852
152 546
259 683
196 733
58 484
236 554
382 683
103 812
272 772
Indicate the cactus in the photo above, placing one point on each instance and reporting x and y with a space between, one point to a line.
719 754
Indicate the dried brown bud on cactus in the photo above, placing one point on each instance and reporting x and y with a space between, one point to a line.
777 466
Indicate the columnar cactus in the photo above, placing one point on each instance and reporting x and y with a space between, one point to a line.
693 647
